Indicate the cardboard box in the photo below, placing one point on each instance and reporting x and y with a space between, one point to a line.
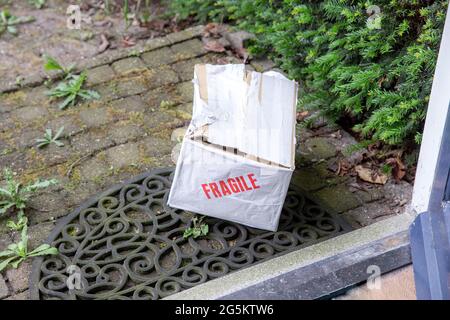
237 157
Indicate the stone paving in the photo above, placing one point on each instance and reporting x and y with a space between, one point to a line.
146 96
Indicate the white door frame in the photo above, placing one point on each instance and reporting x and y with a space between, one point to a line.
438 109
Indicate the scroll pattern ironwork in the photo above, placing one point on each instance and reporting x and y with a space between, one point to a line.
128 244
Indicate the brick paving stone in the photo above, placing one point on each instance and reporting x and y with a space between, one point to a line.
133 103
307 179
155 43
316 149
337 199
52 154
71 123
130 87
16 161
99 75
5 239
37 234
368 214
185 91
157 147
7 123
369 195
123 155
128 65
158 120
188 49
93 168
4 291
31 96
27 138
20 296
52 205
158 57
161 76
185 34
27 114
125 132
79 192
18 278
162 95
185 69
121 89
184 111
91 141
94 117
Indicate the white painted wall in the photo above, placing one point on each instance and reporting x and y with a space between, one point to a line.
434 125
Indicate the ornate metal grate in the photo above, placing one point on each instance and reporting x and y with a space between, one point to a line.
127 244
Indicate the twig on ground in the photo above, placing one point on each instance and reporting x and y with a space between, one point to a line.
76 162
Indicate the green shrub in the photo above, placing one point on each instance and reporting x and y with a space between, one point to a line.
378 80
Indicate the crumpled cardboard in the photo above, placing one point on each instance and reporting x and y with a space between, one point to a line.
237 156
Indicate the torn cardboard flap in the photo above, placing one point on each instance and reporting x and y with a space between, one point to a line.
250 111
200 72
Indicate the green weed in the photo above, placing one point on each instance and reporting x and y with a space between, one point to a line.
50 138
9 23
198 228
16 253
71 89
15 196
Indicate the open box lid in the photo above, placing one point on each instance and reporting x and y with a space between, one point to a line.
245 110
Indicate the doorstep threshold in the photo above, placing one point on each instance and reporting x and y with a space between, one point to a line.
316 271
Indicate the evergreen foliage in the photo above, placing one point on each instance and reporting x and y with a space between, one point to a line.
378 77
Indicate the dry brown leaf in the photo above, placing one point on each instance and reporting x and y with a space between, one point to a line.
398 168
213 30
214 46
344 167
104 44
302 115
128 41
370 175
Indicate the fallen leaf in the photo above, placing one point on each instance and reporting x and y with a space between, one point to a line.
370 175
214 46
157 24
398 168
302 115
237 39
104 44
343 168
128 41
213 30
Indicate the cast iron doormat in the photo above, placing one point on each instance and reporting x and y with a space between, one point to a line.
127 243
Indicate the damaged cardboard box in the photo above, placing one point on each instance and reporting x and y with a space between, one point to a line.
237 156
